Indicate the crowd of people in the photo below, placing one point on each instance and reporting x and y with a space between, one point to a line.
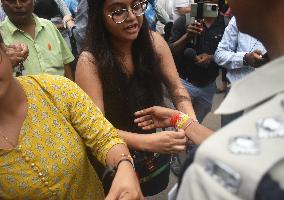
98 97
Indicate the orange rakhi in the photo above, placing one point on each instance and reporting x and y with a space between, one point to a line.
49 46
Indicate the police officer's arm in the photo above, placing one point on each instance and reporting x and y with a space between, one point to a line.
197 133
160 117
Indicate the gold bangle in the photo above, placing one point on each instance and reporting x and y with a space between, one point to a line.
125 155
124 158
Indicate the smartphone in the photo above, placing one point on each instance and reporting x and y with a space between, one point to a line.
201 10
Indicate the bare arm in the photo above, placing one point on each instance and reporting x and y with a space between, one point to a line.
129 188
179 45
177 91
197 133
87 77
166 142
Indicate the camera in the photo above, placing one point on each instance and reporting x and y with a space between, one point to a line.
200 10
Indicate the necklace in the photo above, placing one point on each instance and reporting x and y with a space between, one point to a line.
7 140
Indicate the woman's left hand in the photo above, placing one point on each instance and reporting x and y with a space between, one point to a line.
154 117
125 185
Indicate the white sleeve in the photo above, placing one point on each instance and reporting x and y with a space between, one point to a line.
181 3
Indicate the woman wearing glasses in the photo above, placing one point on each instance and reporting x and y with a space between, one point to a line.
122 69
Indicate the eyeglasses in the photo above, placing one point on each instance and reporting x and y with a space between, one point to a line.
119 16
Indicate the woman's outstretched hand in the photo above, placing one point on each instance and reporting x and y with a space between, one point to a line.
154 117
125 185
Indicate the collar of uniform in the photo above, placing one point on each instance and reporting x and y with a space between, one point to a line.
258 86
12 28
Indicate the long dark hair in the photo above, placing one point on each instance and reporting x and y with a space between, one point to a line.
111 68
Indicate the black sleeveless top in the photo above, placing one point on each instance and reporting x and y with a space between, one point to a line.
125 94
126 98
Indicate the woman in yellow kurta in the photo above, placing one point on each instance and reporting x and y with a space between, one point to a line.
46 122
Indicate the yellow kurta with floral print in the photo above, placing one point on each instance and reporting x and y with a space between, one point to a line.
50 161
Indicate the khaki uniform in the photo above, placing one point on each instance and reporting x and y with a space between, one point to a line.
230 164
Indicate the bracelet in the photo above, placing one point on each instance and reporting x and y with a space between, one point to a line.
187 125
125 159
183 119
175 119
125 155
179 120
190 122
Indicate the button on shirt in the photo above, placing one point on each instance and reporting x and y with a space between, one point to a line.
231 50
48 52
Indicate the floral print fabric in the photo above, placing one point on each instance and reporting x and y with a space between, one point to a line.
50 160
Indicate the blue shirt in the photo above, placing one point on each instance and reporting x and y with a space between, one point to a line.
151 17
231 50
72 5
